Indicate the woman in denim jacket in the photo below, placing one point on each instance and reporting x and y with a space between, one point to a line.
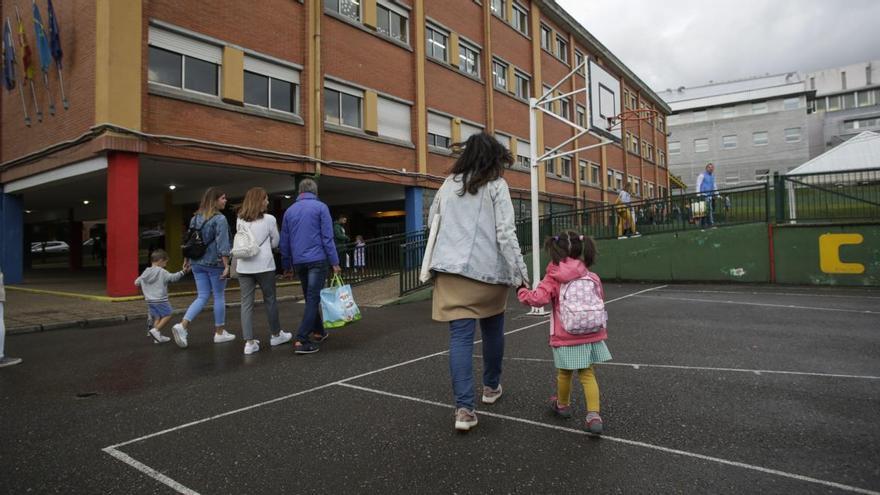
476 259
211 270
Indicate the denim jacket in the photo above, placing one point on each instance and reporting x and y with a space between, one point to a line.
477 234
215 233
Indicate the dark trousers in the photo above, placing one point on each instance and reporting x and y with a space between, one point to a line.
312 277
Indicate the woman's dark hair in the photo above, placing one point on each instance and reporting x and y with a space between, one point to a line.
571 245
481 161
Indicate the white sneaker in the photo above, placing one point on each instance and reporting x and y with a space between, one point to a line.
282 338
251 347
158 338
464 419
9 361
223 337
180 334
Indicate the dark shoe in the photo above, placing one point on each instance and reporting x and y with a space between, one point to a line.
305 348
318 337
594 423
9 361
562 411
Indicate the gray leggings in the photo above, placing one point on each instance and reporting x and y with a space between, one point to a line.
248 283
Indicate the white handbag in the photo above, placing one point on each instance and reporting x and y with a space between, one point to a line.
425 273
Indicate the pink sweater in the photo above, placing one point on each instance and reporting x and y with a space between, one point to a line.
548 293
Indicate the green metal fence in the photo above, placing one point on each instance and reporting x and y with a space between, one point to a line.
410 260
377 258
827 197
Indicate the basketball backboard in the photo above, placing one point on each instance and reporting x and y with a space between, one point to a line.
605 100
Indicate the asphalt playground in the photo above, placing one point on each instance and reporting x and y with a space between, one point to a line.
713 389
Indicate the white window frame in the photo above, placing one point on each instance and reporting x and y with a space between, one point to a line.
581 115
519 76
725 142
501 12
465 46
390 7
394 119
523 154
762 175
546 34
338 10
701 141
357 93
786 103
766 138
565 167
561 48
673 150
786 135
598 169
186 47
760 107
499 77
728 112
430 38
277 72
520 20
439 125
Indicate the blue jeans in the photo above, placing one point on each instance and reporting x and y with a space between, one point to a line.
207 282
312 277
709 219
461 356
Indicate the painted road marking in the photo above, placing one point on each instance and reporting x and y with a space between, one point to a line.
787 306
635 443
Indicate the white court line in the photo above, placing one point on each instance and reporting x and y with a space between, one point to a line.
788 306
709 368
152 473
635 443
769 293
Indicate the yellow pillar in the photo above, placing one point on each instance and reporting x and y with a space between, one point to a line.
118 62
173 233
371 112
314 125
603 170
487 65
513 148
456 130
452 49
511 79
421 102
233 76
370 13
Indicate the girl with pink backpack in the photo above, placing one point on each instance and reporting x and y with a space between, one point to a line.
577 322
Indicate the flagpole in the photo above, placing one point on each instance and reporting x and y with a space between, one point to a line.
49 93
27 117
61 83
36 105
44 64
26 78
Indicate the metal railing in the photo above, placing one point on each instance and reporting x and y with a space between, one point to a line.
410 260
377 258
827 197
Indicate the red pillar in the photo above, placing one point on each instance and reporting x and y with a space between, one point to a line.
122 223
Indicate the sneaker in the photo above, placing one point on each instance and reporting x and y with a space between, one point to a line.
305 348
9 361
219 338
465 419
594 423
563 411
491 395
180 335
158 338
318 337
251 347
282 338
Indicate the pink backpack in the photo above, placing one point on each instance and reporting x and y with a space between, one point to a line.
581 308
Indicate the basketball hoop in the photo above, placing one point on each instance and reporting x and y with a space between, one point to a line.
628 116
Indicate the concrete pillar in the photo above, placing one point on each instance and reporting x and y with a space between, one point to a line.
173 233
414 205
122 223
11 238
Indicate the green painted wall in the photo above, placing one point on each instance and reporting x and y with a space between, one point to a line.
735 254
798 262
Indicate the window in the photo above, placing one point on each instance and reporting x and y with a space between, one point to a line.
581 116
565 166
812 83
860 123
661 123
700 116
610 179
468 59
618 180
549 105
523 154
499 75
728 112
503 139
394 119
674 147
499 8
270 85
661 158
342 106
759 107
731 177
561 48
833 103
637 187
439 130
545 37
520 19
793 135
582 171
348 8
594 174
579 59
650 190
868 75
630 100
863 98
701 145
522 85
761 175
183 62
392 22
728 142
791 103
759 138
549 165
843 79
635 145
565 108
649 151
849 100
435 41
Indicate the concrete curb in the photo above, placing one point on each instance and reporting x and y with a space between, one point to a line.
105 321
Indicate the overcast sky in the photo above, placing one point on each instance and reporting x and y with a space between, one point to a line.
673 43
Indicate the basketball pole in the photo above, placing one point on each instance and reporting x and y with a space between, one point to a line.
536 223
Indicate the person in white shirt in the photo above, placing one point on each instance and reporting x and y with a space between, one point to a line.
4 360
259 269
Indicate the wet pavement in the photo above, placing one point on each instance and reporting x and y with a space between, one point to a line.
721 389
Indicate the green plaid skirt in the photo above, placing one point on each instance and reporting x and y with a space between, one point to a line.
578 357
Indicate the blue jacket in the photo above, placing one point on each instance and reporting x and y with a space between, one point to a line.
708 183
215 233
307 233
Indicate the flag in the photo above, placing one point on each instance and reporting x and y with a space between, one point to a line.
8 58
26 60
54 36
42 41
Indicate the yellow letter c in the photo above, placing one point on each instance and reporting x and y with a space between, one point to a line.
829 253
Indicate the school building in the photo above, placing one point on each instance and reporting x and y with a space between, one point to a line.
169 97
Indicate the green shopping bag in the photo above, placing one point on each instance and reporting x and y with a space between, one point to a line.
337 304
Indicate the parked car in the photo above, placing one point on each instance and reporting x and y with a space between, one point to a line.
50 247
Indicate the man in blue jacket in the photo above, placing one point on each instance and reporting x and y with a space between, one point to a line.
307 248
706 186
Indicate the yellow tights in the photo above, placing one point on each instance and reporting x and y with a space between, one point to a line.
588 380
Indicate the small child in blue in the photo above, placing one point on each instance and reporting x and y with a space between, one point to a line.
154 284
